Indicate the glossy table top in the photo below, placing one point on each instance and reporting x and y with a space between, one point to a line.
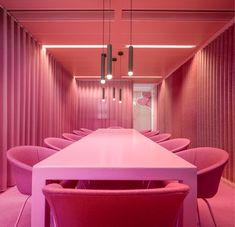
116 148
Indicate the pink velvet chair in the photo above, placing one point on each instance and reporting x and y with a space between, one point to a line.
160 137
115 127
56 143
210 163
175 145
86 130
145 131
105 208
71 137
21 160
80 133
151 133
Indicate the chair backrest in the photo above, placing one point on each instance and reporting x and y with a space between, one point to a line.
80 133
151 133
105 208
160 137
57 143
175 145
115 127
22 159
86 130
71 137
210 163
145 131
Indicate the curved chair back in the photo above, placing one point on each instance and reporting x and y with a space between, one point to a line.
115 127
57 143
71 137
22 159
86 130
210 164
105 208
160 137
151 133
80 133
175 145
145 131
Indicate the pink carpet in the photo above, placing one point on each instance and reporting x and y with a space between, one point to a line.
223 205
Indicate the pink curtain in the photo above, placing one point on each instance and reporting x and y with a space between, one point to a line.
95 113
198 100
38 98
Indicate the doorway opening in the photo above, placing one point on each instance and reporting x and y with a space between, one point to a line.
144 106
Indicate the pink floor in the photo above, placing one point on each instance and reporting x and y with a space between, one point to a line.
223 205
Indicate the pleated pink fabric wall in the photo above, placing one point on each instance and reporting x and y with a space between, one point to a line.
198 100
38 98
95 113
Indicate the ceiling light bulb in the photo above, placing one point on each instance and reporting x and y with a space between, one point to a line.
130 73
102 81
109 76
114 99
120 101
103 100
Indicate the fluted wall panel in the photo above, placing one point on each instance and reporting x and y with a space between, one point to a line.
38 98
198 100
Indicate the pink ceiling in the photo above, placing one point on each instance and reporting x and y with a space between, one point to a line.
80 22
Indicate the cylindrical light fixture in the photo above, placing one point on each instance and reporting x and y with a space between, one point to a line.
103 94
130 62
120 95
102 71
114 94
109 61
130 50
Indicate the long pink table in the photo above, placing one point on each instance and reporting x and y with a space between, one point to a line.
114 154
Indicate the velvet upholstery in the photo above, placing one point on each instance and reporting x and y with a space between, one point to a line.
22 159
160 137
56 143
210 163
145 131
151 133
86 130
71 137
105 208
80 133
175 145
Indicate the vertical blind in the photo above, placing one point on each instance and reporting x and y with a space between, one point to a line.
198 100
38 98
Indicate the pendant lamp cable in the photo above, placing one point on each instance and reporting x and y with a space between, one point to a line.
103 54
103 27
131 23
109 19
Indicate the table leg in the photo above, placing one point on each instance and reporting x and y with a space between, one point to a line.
38 201
190 202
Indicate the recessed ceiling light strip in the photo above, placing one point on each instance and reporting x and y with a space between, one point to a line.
74 46
143 77
161 46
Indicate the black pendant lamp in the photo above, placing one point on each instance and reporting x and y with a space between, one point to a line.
109 51
120 95
130 49
103 94
102 71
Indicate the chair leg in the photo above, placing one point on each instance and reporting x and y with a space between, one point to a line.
212 215
198 216
21 211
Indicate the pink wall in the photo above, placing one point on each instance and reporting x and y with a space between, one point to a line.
94 113
38 98
198 100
